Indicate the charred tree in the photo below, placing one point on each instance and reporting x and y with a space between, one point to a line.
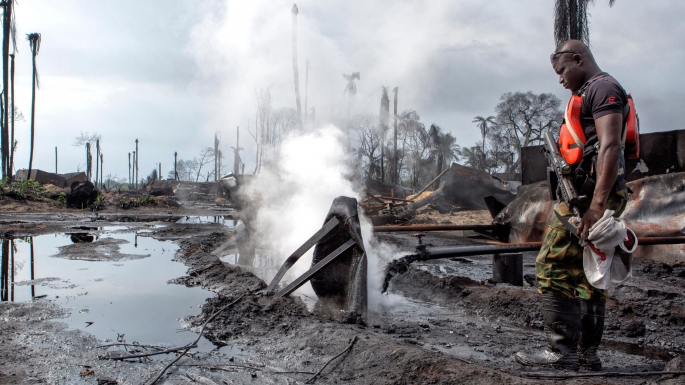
97 161
394 142
383 125
34 43
136 158
102 161
351 93
296 73
306 88
13 144
133 172
216 157
6 36
175 165
89 161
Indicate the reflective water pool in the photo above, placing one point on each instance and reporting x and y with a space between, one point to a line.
114 284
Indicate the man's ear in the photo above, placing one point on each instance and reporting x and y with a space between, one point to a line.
578 59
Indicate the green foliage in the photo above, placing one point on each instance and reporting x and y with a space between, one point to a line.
62 199
129 203
3 185
126 203
99 202
21 190
147 200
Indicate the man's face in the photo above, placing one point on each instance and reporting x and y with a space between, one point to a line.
568 67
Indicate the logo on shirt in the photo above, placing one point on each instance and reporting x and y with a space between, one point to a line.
612 99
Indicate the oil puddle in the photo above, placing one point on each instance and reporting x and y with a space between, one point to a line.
114 284
220 219
265 265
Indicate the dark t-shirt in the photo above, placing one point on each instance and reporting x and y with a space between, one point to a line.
602 95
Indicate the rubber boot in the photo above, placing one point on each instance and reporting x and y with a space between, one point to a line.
562 327
592 327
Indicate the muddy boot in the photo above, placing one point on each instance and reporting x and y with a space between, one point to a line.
562 324
592 327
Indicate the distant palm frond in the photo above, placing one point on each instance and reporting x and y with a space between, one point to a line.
571 20
34 43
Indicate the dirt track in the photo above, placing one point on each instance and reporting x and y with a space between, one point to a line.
441 322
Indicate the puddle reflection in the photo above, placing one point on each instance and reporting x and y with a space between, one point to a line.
118 285
221 219
265 264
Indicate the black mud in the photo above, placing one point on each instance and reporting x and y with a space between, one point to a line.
441 322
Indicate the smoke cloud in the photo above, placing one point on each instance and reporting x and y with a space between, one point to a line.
293 194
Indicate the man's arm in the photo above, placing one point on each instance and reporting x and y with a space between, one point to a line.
609 128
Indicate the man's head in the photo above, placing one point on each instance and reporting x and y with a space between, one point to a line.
574 63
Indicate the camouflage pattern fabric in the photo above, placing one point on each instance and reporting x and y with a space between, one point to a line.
559 265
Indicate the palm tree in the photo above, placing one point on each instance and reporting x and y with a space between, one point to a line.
483 125
296 73
571 20
7 35
34 43
351 92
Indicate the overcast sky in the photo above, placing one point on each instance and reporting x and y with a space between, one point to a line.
173 72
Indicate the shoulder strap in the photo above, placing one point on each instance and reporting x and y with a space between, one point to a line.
569 124
624 132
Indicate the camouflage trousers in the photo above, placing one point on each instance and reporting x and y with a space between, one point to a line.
559 265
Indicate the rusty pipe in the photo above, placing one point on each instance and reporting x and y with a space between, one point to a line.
644 241
386 229
499 248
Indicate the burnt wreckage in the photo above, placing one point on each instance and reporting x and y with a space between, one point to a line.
339 267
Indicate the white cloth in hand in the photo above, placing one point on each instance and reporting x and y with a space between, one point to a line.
604 235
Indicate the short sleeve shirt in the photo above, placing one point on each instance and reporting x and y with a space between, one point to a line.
602 95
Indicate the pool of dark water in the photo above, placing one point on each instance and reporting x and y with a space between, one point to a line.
112 282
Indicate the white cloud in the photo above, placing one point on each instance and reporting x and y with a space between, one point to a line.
173 72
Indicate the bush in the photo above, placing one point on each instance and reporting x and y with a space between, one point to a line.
147 200
99 202
62 199
21 190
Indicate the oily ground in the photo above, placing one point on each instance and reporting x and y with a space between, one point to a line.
441 322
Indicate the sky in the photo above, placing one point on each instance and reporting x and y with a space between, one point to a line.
171 73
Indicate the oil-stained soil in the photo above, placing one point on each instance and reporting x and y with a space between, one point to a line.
441 322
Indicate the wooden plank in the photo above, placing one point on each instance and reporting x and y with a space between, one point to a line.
327 228
315 269
433 181
396 199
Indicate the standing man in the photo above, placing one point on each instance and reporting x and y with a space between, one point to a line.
573 310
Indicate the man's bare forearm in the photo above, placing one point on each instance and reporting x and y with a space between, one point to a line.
607 171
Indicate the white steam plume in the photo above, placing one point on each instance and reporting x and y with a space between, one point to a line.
293 196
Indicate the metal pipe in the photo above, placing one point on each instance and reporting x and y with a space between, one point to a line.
499 248
466 251
386 229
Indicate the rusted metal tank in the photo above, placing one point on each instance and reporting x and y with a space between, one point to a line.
341 286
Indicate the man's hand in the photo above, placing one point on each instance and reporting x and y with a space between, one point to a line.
587 221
